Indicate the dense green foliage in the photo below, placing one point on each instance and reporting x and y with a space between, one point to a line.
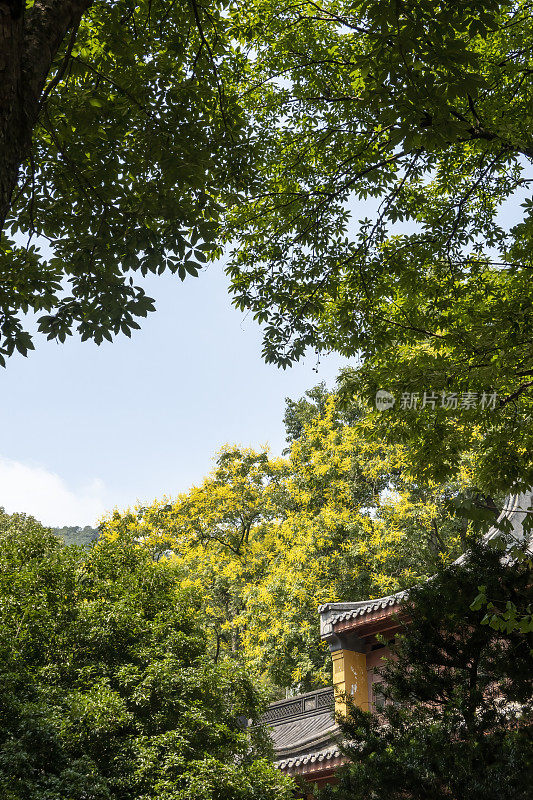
139 135
392 137
107 692
458 718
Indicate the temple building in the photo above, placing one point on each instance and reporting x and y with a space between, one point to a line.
303 728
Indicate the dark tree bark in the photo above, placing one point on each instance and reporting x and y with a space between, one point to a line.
11 105
29 42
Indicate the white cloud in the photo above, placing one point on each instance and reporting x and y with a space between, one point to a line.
45 495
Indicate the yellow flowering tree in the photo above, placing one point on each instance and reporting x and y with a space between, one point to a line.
357 527
263 541
218 535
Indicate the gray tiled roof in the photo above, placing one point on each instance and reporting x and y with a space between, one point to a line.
300 732
302 726
310 758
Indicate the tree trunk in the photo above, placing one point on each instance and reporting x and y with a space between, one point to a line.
12 135
29 42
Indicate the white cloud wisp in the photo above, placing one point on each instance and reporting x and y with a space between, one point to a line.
37 491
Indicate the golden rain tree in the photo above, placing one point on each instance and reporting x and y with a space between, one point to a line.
263 541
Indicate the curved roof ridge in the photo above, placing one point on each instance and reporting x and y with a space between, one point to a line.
310 758
367 606
514 511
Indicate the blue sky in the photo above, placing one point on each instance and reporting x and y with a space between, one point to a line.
89 428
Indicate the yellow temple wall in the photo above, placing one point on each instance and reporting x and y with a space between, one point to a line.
350 679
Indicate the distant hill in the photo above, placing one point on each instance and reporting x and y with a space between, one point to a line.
76 535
